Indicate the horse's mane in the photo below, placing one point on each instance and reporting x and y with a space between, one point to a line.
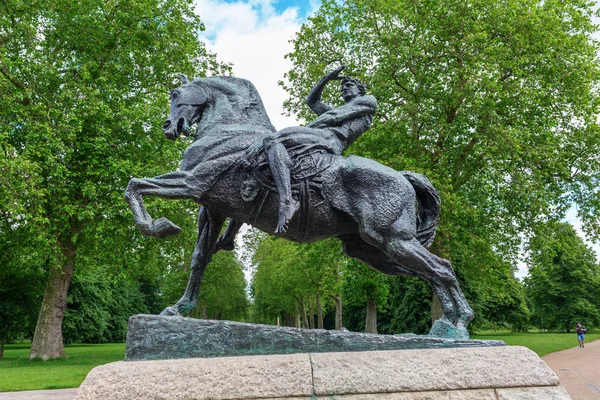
242 96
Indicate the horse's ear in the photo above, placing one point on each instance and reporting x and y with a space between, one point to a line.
184 79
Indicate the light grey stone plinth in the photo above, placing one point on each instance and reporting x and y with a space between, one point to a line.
507 373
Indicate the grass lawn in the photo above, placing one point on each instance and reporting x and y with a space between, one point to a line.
541 342
19 373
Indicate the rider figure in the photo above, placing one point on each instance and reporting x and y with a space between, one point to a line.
334 130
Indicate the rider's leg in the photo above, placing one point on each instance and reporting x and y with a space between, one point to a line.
280 164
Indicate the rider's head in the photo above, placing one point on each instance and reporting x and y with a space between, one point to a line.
351 88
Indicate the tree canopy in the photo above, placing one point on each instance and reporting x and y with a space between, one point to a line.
495 102
84 87
564 279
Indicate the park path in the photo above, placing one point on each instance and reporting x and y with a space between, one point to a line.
56 394
578 370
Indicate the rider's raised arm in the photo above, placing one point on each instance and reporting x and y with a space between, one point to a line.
313 100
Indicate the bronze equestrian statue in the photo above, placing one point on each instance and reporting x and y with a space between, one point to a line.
296 183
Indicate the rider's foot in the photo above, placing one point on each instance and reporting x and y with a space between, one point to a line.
286 212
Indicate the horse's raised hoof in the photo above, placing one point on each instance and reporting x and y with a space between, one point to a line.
170 311
163 228
444 329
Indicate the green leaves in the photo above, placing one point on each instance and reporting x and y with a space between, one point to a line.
564 279
496 102
84 89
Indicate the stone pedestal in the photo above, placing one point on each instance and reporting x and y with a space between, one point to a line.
486 373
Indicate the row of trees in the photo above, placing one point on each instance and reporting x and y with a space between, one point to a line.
315 286
310 286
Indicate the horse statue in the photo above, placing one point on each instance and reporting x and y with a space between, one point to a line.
383 217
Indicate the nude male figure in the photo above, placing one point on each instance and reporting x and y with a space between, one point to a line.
334 130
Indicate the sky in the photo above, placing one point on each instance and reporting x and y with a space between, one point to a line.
254 35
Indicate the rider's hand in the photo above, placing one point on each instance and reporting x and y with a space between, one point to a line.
334 75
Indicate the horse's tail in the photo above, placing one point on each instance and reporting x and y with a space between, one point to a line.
428 207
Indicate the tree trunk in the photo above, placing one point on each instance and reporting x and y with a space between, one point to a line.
2 341
371 320
203 311
304 315
319 312
338 312
311 315
297 322
48 339
436 308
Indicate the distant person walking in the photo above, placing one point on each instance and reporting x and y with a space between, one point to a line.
581 331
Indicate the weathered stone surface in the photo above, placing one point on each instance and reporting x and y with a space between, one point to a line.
153 337
539 393
201 379
434 369
482 394
489 373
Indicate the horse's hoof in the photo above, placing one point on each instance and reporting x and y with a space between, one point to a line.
224 245
163 228
170 312
445 329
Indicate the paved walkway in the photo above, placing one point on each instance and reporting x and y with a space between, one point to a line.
576 368
57 394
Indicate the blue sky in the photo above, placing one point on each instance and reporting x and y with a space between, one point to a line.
254 36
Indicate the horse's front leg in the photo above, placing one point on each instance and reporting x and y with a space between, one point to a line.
174 185
209 228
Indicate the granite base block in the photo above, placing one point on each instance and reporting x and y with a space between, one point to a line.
505 372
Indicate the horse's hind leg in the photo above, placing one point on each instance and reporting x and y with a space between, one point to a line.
399 243
209 228
174 185
357 248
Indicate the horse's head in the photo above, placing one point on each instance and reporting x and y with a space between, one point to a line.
187 104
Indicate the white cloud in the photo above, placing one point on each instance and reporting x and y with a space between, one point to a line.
254 37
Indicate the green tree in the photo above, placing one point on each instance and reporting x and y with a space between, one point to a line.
364 286
223 294
564 279
296 281
495 101
279 286
409 305
22 276
323 263
22 247
84 84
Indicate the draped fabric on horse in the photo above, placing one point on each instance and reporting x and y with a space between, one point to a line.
234 110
